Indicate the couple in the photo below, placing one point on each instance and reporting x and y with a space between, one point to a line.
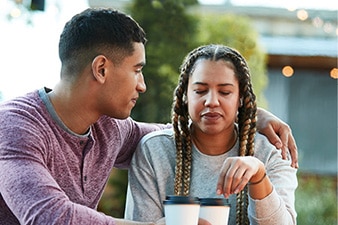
58 146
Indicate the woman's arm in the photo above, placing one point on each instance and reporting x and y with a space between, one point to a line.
143 202
271 184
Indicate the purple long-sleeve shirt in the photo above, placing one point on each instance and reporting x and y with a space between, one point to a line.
50 175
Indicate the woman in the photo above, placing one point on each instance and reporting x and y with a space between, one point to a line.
214 148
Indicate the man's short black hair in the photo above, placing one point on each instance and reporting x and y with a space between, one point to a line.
98 31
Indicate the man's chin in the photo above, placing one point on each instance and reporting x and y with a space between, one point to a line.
121 116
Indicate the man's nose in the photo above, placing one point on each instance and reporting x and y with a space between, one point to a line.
141 85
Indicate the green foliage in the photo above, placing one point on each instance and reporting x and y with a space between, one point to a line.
316 200
169 30
237 32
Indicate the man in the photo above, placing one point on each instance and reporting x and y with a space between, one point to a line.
57 147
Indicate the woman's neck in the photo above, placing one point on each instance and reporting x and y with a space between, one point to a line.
214 144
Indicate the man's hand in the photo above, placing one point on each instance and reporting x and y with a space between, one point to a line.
278 133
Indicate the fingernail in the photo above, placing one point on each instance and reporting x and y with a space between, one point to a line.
218 192
279 145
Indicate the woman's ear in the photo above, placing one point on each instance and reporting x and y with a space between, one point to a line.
99 64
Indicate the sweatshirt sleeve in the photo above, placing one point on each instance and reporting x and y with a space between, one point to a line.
143 199
278 208
132 132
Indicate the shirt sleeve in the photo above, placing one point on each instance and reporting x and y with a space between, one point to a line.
26 185
143 199
34 197
279 206
131 133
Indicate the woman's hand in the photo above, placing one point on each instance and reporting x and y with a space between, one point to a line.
278 133
236 172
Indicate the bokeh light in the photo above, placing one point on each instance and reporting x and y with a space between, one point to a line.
287 71
334 73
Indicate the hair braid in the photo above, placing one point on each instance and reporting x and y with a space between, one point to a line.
181 128
247 128
179 148
179 160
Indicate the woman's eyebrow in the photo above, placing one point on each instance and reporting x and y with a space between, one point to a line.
205 84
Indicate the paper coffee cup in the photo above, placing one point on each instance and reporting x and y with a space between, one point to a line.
215 210
181 210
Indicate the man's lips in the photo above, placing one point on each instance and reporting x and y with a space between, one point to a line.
134 100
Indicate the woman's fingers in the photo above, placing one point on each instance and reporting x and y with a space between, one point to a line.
235 174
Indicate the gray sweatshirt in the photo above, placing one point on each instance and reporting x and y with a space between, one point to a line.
151 179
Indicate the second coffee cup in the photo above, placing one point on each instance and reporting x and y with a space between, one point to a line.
215 210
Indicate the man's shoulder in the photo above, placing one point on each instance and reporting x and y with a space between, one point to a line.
25 106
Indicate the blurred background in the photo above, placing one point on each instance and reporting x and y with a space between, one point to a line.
291 48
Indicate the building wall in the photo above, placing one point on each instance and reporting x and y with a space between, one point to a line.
308 102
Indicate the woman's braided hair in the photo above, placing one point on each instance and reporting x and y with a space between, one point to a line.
246 118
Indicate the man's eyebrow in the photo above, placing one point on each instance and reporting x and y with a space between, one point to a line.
141 64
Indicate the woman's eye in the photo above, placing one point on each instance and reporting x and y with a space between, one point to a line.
225 92
200 91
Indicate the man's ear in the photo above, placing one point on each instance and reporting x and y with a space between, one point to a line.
99 64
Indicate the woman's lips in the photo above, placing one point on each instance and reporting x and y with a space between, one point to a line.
211 115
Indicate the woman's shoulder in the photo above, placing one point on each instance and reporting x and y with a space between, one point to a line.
159 135
261 139
157 146
263 146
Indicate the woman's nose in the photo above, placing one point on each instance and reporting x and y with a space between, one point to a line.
211 99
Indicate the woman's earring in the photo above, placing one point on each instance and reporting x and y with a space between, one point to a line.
240 102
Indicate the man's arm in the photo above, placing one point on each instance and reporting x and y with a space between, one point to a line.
278 133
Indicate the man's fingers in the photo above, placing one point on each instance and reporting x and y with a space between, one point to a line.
289 146
293 152
273 137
